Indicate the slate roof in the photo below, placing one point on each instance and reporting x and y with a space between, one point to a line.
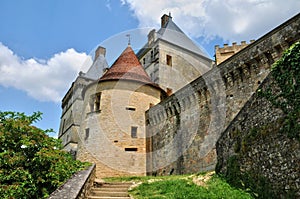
171 33
97 68
127 67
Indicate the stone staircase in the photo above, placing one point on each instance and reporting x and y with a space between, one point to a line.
114 190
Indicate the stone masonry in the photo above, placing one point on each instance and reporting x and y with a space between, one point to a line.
227 51
261 151
183 129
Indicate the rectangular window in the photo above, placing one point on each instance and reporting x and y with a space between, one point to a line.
130 108
87 133
130 149
169 60
133 132
95 102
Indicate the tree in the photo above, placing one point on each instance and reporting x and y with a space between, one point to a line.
32 164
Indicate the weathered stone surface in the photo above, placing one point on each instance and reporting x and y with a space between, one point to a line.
183 129
77 187
262 151
109 136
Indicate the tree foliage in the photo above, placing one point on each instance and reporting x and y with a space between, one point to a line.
32 164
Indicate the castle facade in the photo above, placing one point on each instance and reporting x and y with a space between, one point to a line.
161 111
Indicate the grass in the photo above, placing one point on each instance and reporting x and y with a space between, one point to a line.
198 186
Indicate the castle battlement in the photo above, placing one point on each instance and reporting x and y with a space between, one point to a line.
227 51
234 45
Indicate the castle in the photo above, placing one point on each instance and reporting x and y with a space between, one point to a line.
162 111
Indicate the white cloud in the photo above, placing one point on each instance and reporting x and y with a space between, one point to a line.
232 20
44 80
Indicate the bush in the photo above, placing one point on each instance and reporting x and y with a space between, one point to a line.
32 164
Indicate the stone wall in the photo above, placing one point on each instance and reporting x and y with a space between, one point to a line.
253 150
71 114
182 130
77 187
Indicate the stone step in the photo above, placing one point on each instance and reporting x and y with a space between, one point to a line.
119 185
118 189
115 190
109 193
103 197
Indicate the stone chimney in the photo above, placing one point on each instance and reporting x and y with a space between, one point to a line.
100 51
164 20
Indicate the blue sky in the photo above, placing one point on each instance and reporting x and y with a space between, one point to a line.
44 44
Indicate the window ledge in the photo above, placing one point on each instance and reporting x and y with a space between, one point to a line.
94 112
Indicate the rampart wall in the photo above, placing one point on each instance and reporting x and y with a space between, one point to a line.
183 129
254 150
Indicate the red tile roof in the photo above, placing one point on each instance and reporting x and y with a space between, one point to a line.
127 67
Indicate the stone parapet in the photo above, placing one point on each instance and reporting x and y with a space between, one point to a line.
78 186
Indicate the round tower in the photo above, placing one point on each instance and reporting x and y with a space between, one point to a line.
112 131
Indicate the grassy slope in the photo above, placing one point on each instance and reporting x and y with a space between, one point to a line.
193 186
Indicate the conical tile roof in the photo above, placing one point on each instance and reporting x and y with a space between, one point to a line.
127 67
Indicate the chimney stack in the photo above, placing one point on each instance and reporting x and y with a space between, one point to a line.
100 51
165 19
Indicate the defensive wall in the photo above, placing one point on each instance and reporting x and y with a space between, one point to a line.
182 131
254 150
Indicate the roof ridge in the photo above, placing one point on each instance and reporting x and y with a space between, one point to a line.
96 69
127 67
172 33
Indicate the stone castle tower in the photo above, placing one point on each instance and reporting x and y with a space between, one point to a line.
171 58
112 131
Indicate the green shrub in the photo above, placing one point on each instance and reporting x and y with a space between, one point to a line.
32 164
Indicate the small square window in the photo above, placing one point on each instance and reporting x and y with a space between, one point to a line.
133 132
